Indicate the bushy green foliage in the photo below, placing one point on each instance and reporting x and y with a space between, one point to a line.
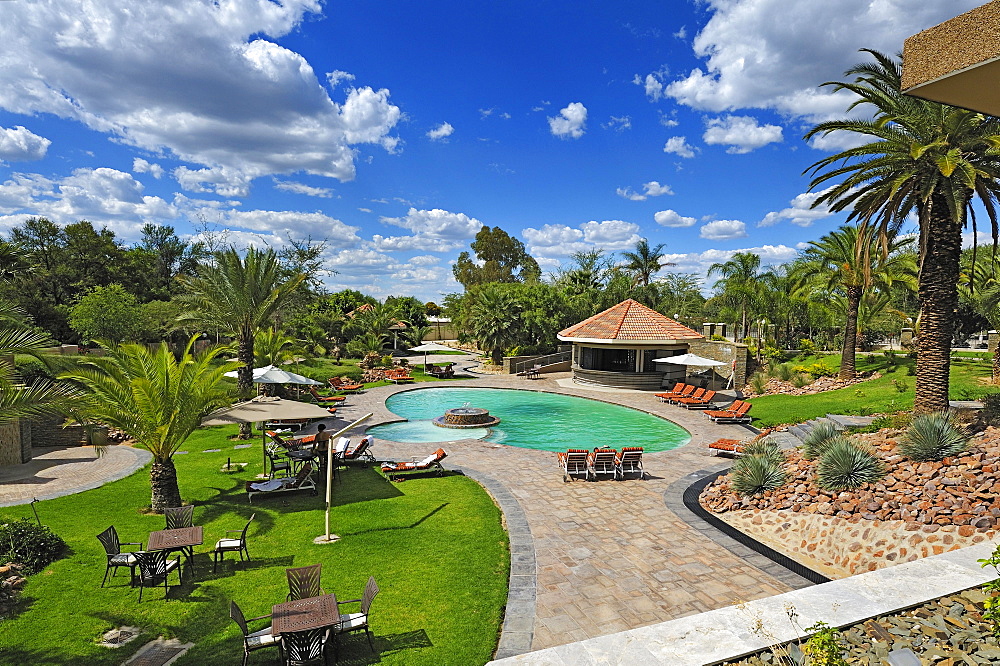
825 647
933 437
764 448
752 475
807 347
783 371
845 465
28 543
799 380
33 369
817 439
758 382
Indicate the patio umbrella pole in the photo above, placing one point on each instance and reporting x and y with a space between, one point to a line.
327 537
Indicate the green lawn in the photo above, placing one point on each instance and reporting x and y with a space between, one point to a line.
435 546
871 397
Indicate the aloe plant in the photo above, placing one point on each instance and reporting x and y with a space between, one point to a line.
846 464
933 437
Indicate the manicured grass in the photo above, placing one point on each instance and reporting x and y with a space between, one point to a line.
871 397
435 546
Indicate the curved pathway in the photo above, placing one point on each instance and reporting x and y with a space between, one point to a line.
608 556
54 472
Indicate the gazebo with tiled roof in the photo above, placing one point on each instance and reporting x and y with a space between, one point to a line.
617 347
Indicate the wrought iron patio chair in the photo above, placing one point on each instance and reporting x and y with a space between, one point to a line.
154 567
351 622
256 640
228 545
300 647
278 464
177 517
117 558
304 582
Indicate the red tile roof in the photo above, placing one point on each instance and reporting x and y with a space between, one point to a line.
629 320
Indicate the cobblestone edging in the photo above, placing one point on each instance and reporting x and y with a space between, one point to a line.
743 546
519 616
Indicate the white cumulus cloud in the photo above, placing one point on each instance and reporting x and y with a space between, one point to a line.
442 131
799 212
302 188
140 165
19 144
561 240
434 230
679 146
723 230
228 97
671 218
570 123
650 189
774 53
741 133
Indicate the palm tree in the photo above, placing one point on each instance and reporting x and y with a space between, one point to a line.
645 262
239 296
851 261
740 284
979 286
273 346
154 399
18 400
494 323
415 334
922 158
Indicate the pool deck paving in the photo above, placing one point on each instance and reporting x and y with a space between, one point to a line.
609 555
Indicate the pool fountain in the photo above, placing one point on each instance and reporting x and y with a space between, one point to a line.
466 417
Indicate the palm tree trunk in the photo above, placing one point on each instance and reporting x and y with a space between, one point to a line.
847 365
244 376
163 480
996 365
938 293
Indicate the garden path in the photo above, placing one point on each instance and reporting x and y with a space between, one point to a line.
608 556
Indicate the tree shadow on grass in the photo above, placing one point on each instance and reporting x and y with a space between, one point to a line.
353 649
17 655
398 527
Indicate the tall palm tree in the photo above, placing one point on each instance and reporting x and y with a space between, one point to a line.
645 262
922 158
17 399
494 322
154 399
238 296
272 346
740 284
851 261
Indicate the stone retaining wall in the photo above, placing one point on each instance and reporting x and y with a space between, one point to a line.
838 547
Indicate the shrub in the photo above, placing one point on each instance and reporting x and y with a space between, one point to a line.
807 347
933 437
718 338
799 380
758 383
752 475
901 385
821 370
764 448
845 465
30 544
784 372
31 370
817 439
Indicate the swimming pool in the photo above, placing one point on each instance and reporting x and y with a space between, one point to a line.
529 419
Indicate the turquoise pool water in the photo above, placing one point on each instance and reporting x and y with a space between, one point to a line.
529 419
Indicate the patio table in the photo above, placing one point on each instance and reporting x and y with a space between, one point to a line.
305 614
182 539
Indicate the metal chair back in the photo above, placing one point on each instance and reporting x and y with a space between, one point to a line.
109 539
236 613
304 582
371 589
301 646
181 516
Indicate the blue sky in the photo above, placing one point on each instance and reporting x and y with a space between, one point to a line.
394 130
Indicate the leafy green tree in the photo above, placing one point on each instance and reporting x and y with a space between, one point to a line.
107 313
17 398
850 262
495 321
154 398
645 262
498 258
415 334
272 346
922 158
741 285
239 295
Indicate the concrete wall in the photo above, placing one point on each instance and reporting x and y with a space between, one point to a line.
15 442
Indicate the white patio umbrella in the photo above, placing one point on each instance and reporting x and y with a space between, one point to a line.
271 374
690 359
429 347
264 408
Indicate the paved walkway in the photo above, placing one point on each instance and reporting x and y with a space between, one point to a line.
609 556
54 472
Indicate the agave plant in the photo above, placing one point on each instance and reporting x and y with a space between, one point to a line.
845 464
764 448
933 437
817 440
754 474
